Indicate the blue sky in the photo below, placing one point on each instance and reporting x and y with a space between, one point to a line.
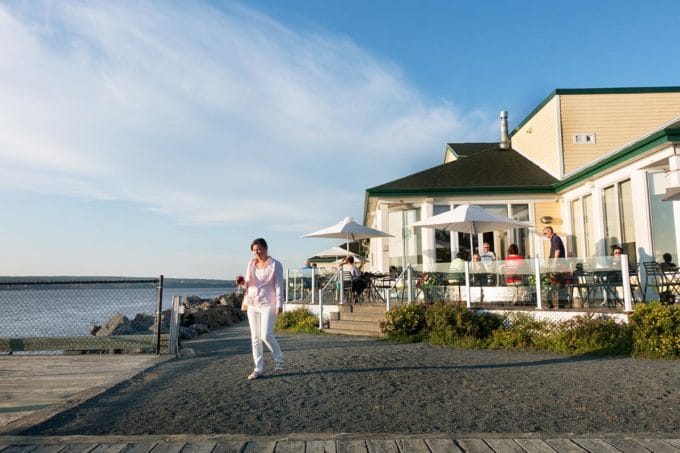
147 138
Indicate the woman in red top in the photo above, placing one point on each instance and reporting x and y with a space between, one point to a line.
511 265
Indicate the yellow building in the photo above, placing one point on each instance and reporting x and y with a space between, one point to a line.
595 164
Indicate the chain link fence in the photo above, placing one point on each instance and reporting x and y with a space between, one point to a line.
68 316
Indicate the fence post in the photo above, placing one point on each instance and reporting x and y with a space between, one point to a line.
313 286
409 284
159 307
537 276
173 340
320 309
468 290
627 299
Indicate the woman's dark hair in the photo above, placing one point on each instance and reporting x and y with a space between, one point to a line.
513 249
259 241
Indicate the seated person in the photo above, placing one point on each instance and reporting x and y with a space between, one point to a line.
668 264
511 266
487 254
477 271
349 269
457 269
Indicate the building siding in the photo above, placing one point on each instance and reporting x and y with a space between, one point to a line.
615 119
537 139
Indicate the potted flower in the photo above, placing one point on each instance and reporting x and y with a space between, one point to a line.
426 283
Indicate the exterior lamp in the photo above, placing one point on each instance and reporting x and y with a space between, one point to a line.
546 219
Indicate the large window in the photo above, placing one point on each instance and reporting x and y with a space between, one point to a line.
442 238
582 241
663 223
619 226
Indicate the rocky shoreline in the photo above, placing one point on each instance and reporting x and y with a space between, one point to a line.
200 316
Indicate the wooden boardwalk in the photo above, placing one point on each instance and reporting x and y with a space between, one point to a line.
33 388
341 444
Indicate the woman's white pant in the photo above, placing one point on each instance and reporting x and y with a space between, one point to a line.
261 321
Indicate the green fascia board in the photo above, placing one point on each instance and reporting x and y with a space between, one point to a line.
577 91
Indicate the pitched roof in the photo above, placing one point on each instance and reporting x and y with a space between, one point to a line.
481 168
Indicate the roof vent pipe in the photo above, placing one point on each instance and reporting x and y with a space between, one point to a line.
505 138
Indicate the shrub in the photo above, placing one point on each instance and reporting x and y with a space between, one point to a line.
404 323
455 324
590 334
656 331
522 332
297 321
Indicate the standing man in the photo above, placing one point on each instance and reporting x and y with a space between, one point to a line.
556 251
556 245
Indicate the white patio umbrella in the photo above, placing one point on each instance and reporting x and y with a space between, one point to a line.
348 230
335 252
471 219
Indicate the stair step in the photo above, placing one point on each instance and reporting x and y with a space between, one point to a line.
361 308
355 325
366 317
361 333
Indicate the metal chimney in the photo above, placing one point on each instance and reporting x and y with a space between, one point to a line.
505 138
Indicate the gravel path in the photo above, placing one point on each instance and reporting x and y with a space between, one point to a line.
336 384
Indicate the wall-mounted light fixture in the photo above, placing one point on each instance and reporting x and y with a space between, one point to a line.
546 219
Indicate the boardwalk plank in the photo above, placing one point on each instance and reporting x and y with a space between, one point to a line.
413 445
229 447
626 445
78 448
290 446
658 445
565 446
321 446
598 445
504 445
199 447
382 446
110 448
535 445
474 446
140 447
259 447
351 446
19 449
443 446
674 442
168 447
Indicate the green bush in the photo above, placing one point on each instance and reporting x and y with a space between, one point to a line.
404 323
656 331
455 324
297 321
523 332
590 334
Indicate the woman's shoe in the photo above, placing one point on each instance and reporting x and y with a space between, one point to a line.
254 375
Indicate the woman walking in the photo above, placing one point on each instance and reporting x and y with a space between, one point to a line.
264 294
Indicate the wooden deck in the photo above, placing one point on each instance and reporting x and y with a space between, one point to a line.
341 443
33 388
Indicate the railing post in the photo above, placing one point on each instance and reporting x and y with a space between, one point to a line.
468 290
537 276
313 286
627 299
387 296
159 306
409 283
320 308
173 340
287 285
342 286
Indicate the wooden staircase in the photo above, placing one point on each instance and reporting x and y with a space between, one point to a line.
357 319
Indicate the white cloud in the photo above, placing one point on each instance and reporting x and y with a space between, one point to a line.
216 116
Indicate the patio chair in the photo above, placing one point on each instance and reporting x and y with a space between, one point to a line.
656 278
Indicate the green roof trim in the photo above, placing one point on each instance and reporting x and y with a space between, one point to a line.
578 91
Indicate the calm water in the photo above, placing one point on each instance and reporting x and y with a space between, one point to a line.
69 311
